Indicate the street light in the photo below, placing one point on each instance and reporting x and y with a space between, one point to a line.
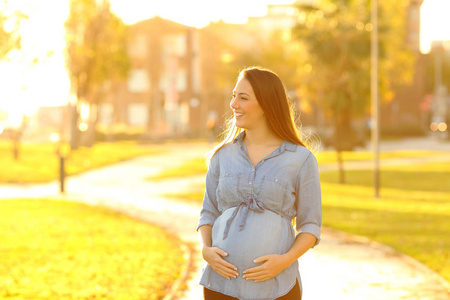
374 96
55 138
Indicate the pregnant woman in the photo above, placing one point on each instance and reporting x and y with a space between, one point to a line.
259 178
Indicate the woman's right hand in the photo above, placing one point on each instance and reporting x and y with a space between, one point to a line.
214 257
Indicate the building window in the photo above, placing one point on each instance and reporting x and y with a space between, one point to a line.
174 44
139 81
139 47
414 14
137 114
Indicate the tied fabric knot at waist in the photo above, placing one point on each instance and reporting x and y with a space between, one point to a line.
252 204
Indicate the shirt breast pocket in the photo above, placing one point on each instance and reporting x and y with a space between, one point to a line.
277 193
228 189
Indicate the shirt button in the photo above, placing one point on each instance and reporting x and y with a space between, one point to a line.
253 170
226 174
250 183
276 179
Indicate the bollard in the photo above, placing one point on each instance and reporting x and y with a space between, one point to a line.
61 174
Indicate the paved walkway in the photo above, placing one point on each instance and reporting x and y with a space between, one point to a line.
341 267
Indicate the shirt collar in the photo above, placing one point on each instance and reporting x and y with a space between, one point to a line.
289 146
239 138
285 146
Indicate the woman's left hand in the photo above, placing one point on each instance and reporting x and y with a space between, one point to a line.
271 266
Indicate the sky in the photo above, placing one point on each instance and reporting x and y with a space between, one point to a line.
196 13
26 86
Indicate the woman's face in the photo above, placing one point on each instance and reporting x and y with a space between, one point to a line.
248 113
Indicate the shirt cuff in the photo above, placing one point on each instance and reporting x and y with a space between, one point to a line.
311 229
204 222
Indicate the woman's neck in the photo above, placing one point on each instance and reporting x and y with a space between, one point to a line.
262 137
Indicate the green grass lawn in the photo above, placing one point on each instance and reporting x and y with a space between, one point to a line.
39 162
63 250
198 166
411 221
191 167
412 215
420 177
329 157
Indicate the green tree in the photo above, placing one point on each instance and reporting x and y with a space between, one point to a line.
97 55
336 34
278 53
10 39
9 29
221 60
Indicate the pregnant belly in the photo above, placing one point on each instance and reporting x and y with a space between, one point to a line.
264 233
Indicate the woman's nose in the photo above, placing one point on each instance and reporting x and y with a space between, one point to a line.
233 103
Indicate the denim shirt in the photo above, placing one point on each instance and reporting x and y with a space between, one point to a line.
250 209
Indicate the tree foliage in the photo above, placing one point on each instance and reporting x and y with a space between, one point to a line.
97 57
336 34
279 54
96 48
10 39
9 28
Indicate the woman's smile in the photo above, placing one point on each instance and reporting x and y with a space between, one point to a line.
238 115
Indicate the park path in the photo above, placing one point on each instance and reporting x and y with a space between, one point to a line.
342 267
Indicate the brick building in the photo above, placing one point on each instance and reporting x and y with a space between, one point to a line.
162 93
403 115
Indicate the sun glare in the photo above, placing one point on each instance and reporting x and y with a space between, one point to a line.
36 75
195 13
435 22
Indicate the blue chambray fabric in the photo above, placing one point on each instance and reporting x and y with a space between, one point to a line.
251 208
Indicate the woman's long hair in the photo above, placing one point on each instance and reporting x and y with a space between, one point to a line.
272 97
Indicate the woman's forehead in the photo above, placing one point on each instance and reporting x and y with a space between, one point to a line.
243 85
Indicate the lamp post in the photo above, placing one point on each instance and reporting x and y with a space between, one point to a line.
374 96
55 138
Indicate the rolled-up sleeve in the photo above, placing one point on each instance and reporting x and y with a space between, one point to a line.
309 199
210 212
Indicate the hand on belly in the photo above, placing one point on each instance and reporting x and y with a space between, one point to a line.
214 257
271 266
265 234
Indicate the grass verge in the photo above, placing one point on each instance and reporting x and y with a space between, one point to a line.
412 222
39 162
329 157
189 168
419 177
63 250
198 166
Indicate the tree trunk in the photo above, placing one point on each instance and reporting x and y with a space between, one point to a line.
74 132
15 144
338 147
92 124
340 167
343 138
